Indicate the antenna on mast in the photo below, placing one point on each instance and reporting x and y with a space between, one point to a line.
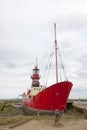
56 53
36 61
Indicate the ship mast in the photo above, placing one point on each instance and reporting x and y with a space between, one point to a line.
56 53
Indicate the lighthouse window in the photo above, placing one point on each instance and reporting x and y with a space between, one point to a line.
36 72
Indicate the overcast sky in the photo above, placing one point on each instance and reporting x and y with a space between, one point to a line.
26 32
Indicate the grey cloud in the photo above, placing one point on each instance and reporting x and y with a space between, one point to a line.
10 65
25 36
72 22
80 90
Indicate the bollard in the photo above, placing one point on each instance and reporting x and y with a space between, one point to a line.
56 119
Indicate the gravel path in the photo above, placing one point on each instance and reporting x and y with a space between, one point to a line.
41 125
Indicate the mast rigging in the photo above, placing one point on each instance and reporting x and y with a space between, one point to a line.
56 53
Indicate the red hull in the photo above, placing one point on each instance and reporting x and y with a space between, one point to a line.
51 98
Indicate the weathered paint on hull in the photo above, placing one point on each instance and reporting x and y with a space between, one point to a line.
30 111
51 98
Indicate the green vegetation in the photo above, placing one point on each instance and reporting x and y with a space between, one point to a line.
10 117
7 108
13 121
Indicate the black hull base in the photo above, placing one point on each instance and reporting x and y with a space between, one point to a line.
30 111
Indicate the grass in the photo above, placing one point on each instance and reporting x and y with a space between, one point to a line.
7 108
12 121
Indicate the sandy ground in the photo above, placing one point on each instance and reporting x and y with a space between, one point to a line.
42 125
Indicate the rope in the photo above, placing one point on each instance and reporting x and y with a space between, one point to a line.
62 67
48 66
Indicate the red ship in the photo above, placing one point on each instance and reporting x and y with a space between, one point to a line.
46 99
